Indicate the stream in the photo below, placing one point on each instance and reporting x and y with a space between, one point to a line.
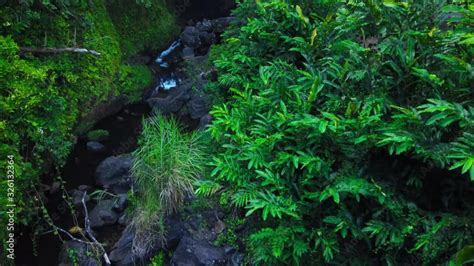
79 172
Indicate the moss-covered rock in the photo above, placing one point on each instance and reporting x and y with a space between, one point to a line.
98 135
143 27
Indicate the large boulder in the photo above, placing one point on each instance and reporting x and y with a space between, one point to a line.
197 252
204 25
175 230
76 253
219 24
113 173
207 38
121 253
175 100
197 107
190 37
103 214
187 53
165 105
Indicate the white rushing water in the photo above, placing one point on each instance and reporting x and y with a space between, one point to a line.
168 83
160 59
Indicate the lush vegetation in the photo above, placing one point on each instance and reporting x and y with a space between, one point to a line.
342 132
43 95
165 166
346 129
143 25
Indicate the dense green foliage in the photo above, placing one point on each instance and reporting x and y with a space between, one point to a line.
150 25
165 166
42 96
348 129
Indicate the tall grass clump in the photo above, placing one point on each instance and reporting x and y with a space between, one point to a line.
165 165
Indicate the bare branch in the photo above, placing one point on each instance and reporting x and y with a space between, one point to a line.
56 228
89 231
58 50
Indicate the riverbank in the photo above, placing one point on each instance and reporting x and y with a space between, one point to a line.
174 93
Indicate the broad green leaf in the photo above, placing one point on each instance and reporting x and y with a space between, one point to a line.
465 255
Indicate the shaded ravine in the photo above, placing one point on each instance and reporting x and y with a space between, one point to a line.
80 168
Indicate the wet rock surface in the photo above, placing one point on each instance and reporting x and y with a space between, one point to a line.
121 253
103 214
113 173
191 234
95 147
173 103
187 53
81 255
197 252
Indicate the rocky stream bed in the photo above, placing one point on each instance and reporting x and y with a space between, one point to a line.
97 174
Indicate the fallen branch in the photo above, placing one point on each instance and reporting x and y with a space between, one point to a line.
89 231
58 50
57 228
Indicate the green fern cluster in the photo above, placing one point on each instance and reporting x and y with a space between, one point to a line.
347 128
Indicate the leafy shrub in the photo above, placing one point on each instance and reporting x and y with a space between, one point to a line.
98 135
347 128
165 166
151 24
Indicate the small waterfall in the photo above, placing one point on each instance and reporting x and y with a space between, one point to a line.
168 83
160 59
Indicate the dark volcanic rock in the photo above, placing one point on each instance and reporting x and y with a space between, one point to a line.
122 251
207 38
121 202
197 252
114 173
76 196
187 53
176 99
103 214
80 250
190 37
204 25
165 105
197 107
175 231
95 147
